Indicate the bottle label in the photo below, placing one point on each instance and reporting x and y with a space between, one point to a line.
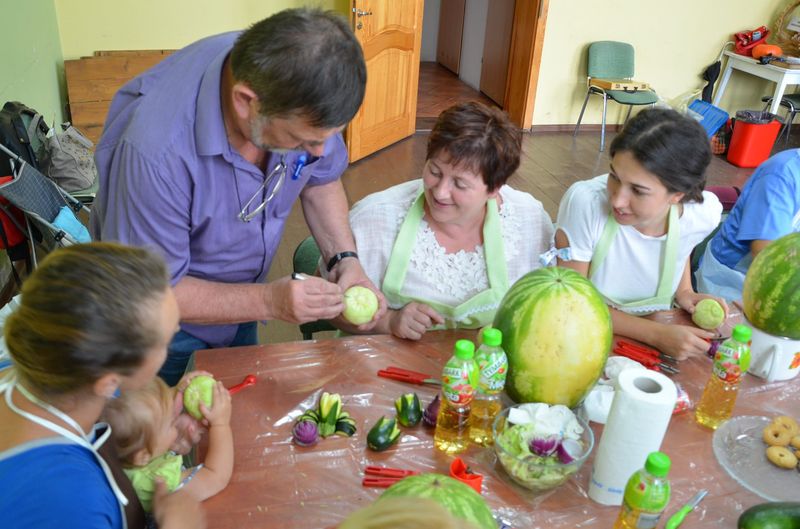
647 495
731 362
648 520
493 369
458 382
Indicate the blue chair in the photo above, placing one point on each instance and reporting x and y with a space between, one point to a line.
609 60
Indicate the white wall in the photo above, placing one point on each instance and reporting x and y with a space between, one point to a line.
430 30
472 42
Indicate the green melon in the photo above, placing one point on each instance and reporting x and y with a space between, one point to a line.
460 499
771 292
557 334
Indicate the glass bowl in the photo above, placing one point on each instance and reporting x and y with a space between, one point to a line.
534 472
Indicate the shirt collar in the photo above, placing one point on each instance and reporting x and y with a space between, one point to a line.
209 131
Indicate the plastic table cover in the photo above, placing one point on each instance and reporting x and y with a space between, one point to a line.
278 484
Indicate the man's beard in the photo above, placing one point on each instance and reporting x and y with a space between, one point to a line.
257 126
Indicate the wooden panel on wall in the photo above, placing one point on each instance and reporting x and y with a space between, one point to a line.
93 81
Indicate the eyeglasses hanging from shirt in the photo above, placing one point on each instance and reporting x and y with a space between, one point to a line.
279 172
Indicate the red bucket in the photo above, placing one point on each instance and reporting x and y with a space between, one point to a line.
751 143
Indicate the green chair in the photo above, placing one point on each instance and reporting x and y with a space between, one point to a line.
305 261
609 60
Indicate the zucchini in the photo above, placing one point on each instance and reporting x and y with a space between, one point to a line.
409 410
383 434
774 515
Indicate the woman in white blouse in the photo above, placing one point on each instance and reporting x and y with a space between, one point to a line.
632 231
446 248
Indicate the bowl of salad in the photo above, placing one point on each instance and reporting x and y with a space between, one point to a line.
541 446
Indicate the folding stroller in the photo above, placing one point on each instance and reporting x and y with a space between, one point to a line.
40 199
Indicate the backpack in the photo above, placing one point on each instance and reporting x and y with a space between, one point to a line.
23 131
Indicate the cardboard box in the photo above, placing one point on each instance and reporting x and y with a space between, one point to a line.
627 85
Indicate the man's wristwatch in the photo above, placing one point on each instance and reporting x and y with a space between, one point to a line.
338 257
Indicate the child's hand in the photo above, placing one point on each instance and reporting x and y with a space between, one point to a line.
220 412
682 341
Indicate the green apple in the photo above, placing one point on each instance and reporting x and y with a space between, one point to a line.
201 389
360 305
708 314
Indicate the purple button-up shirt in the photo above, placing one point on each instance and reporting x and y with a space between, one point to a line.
169 179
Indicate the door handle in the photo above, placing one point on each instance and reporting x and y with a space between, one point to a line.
361 13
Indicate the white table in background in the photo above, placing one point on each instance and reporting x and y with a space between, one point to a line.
782 77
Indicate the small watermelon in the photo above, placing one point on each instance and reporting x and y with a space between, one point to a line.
556 333
460 499
771 292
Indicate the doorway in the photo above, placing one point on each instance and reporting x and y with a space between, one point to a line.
464 55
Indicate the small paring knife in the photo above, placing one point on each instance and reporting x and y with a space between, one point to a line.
677 519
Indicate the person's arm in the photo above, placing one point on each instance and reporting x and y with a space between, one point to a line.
757 246
679 341
326 212
218 465
209 302
176 510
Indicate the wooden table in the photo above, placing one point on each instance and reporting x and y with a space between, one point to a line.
277 484
782 77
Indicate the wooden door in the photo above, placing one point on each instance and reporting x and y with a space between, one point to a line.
496 46
390 32
451 32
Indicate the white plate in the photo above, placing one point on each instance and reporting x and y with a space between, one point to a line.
740 449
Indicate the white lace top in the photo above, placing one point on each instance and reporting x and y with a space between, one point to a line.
434 274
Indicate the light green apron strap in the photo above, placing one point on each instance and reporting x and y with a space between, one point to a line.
496 270
663 295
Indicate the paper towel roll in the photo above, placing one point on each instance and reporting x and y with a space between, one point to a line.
640 413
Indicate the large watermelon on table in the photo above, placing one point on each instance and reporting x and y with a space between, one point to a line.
771 292
557 334
450 493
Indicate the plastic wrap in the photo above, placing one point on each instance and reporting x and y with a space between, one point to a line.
278 484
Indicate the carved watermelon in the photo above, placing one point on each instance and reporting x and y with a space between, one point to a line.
557 334
460 499
771 292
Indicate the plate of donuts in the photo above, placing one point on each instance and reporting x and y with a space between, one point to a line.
759 453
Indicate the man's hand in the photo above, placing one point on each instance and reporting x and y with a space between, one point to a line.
301 301
348 273
413 320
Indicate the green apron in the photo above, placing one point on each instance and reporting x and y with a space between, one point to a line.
664 293
476 311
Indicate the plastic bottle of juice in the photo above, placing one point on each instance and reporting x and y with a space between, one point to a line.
731 362
459 379
646 494
493 367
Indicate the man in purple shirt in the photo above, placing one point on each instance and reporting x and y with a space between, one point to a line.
203 156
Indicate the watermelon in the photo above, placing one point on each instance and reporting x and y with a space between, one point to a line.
771 292
557 334
460 499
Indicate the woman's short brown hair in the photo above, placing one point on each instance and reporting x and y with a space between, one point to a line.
85 311
479 137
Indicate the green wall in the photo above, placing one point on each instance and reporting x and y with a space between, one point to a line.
31 62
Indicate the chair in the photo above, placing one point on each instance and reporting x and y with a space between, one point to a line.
305 261
792 104
610 60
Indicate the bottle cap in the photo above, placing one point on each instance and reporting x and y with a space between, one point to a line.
465 349
657 464
742 333
492 337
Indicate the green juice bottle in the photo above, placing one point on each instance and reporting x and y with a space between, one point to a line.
493 367
646 494
459 379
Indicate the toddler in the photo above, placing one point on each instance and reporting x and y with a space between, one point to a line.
143 430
